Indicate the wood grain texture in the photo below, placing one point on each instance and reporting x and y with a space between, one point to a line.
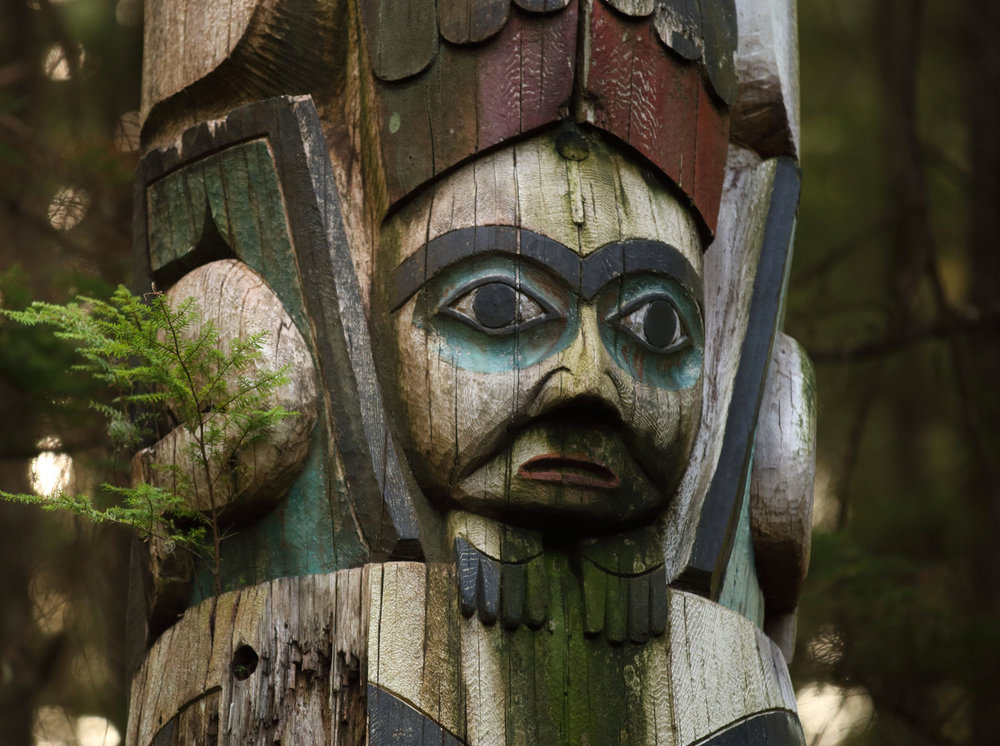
636 8
730 266
403 36
474 98
393 721
723 503
741 588
414 648
309 636
227 172
678 24
204 62
710 157
781 487
185 40
297 659
719 33
261 181
448 410
658 104
766 111
710 672
541 6
701 31
706 637
471 21
334 300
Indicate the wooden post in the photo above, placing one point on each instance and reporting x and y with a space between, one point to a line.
551 480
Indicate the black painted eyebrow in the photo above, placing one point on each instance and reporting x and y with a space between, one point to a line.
587 275
633 256
429 260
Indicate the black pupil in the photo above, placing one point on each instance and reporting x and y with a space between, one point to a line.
660 323
495 305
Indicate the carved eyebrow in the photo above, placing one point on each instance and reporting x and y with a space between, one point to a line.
441 252
587 275
633 256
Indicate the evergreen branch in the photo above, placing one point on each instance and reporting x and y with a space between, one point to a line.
160 362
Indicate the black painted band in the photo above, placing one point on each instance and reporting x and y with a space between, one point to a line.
774 728
724 501
587 275
393 722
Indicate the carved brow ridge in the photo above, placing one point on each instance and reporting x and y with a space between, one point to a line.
588 274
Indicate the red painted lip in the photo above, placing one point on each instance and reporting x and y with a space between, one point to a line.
570 469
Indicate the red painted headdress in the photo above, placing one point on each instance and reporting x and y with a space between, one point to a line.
457 77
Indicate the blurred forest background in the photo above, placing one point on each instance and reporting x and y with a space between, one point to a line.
895 292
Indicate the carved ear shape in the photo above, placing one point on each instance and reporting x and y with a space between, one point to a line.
238 303
261 180
781 486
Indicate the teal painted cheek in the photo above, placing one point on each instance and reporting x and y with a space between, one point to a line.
472 350
672 371
533 320
622 328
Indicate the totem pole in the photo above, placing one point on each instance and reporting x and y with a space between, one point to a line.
551 477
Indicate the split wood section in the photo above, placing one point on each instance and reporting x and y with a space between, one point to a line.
280 662
302 660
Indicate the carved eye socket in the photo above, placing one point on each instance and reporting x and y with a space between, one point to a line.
656 323
497 307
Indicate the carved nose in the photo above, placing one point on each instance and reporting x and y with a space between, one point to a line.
584 370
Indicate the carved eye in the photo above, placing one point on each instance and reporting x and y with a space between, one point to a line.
656 323
497 307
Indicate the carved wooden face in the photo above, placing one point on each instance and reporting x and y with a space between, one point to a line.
545 326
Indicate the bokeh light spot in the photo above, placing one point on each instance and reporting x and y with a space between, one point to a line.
831 714
55 64
68 208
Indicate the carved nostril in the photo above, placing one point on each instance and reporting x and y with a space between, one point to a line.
586 407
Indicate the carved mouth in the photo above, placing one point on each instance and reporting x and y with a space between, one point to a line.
569 469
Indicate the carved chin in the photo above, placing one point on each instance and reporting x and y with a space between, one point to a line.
565 477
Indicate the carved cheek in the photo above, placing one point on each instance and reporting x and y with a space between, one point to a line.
453 415
422 392
664 424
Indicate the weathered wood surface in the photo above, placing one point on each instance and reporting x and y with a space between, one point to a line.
567 216
711 670
678 24
766 111
471 21
697 30
237 46
781 487
258 186
453 80
384 650
559 626
660 105
279 662
557 207
184 41
730 267
473 98
403 36
779 183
